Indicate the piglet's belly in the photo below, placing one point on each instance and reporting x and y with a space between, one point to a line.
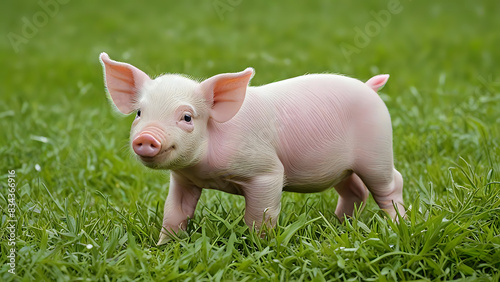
310 184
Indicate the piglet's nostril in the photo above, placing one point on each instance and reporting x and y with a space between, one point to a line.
145 145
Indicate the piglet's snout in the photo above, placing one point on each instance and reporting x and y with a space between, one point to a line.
145 145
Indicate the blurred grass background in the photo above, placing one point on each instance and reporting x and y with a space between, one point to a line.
70 150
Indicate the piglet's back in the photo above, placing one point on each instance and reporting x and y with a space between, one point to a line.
317 119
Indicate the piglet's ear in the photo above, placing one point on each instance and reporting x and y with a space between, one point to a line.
377 81
226 92
123 82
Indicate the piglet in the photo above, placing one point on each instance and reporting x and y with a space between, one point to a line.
305 134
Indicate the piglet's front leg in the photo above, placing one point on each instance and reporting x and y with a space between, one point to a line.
263 199
179 206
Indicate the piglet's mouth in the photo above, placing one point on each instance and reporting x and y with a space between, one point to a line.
155 158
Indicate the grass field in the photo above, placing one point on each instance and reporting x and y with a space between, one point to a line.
86 210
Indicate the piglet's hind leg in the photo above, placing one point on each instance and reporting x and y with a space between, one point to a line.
353 193
388 193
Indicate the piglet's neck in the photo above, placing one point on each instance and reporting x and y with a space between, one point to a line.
220 144
214 151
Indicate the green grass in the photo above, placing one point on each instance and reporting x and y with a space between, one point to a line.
79 185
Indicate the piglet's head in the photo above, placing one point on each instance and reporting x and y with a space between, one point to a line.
172 111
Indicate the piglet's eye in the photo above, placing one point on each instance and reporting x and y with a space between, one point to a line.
187 118
138 113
